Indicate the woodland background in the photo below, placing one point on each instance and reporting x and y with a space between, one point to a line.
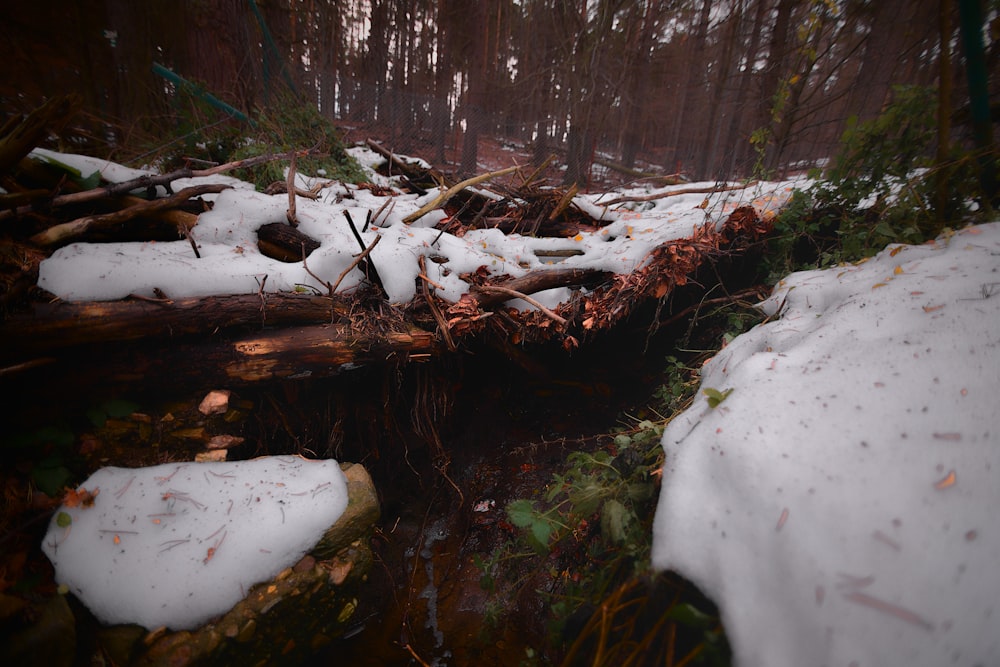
711 89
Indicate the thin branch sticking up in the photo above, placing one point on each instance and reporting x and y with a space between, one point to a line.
357 260
438 317
290 186
367 265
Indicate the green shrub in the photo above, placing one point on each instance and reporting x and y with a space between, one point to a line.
882 187
199 138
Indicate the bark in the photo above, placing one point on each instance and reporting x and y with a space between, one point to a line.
317 351
60 325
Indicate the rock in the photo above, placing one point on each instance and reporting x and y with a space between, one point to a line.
39 633
283 621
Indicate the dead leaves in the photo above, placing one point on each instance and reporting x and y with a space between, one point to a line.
80 497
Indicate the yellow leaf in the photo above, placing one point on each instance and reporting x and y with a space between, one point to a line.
948 480
896 271
877 285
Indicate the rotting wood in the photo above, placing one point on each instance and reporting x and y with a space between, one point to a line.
284 336
284 242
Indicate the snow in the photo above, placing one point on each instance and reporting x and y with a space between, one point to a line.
230 262
180 543
840 505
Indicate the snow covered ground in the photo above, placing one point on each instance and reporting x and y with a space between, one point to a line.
841 504
231 263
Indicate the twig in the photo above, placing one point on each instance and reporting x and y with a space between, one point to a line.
357 260
369 266
189 233
149 181
752 291
495 289
435 311
442 198
290 186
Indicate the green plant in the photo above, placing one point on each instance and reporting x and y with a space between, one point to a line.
199 136
880 188
296 126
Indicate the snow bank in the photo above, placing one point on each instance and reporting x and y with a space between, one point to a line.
841 504
178 544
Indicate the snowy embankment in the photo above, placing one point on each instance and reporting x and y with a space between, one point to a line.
841 504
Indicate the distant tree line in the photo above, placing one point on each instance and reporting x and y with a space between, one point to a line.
713 89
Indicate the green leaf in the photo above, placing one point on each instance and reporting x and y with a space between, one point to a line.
97 417
50 476
63 520
686 614
541 530
75 175
585 499
118 408
614 519
522 513
622 440
715 396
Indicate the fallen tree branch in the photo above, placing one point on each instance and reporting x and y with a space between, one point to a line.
442 198
147 181
61 325
536 281
76 228
357 260
435 311
682 191
519 295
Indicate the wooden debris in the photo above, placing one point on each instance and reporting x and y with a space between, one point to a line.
268 336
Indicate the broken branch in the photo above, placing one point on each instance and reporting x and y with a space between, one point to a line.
442 198
682 191
519 295
76 228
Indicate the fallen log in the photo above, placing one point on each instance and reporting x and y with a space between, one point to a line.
61 325
292 353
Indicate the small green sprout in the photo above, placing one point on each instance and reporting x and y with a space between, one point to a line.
715 396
